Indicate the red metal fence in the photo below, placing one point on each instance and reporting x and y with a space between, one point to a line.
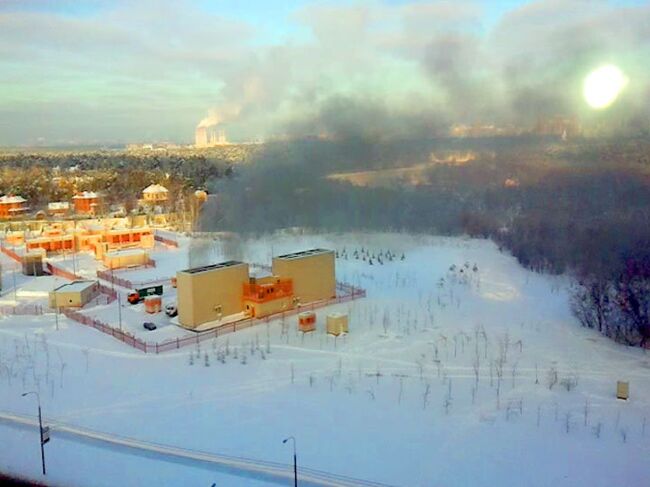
22 309
166 241
127 283
58 271
104 328
10 253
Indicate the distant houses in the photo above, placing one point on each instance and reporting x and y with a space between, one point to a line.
155 200
87 203
155 194
12 206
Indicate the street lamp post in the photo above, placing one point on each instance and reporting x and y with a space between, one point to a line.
295 462
44 432
119 308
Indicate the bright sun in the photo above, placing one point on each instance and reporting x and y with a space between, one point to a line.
603 85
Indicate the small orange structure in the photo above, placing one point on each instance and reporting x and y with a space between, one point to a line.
152 304
174 281
120 238
12 206
267 295
51 243
307 321
87 203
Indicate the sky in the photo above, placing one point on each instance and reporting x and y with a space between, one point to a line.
99 71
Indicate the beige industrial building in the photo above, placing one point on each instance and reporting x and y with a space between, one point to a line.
312 273
210 293
73 294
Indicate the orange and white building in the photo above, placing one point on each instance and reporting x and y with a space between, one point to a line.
267 295
12 206
87 203
96 239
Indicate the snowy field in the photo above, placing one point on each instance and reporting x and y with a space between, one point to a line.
447 378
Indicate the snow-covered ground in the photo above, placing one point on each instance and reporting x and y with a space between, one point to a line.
479 377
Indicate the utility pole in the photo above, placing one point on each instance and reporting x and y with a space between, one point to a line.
295 461
13 274
44 432
119 308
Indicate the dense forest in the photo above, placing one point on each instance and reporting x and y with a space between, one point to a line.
46 176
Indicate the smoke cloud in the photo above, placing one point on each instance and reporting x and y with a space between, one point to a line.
154 68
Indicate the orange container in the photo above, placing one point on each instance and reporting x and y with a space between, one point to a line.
307 321
174 281
152 304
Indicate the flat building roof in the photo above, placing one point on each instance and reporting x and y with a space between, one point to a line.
75 286
304 253
212 267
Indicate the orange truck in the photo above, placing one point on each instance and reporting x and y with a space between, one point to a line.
139 294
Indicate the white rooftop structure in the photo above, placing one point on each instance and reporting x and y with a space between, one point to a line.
86 195
12 199
58 205
75 286
155 189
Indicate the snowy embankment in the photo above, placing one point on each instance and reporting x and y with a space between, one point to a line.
479 377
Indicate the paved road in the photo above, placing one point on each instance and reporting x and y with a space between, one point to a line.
244 467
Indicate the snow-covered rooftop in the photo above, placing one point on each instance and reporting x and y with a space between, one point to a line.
11 199
86 195
155 188
75 286
58 205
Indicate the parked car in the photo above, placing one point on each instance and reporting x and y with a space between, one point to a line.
149 325
171 310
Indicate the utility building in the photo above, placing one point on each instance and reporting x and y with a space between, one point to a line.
312 273
210 293
73 294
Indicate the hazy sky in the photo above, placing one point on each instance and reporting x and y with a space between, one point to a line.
146 70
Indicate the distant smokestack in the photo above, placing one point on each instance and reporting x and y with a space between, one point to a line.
201 136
